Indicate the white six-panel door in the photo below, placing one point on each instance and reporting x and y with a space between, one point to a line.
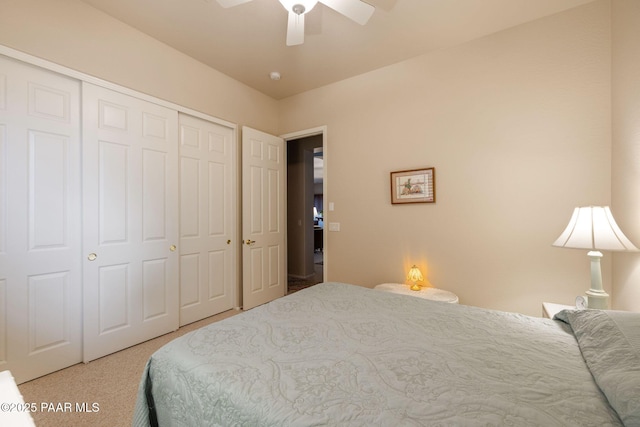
40 268
130 220
264 272
207 219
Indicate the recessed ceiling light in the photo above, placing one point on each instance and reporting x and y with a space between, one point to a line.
274 75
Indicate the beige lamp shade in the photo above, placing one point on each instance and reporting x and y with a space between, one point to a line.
594 228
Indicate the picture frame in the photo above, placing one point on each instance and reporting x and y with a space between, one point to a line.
413 186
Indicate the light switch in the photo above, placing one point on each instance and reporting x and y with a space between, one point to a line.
331 206
334 226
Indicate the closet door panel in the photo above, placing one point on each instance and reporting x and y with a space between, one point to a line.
207 214
40 235
4 259
113 181
4 256
218 260
113 298
189 197
47 306
154 219
155 286
48 182
217 206
130 220
3 322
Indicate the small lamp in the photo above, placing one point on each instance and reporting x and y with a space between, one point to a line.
415 276
594 228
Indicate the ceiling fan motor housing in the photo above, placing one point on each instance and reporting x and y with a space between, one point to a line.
299 7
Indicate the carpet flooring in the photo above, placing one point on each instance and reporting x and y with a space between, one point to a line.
108 384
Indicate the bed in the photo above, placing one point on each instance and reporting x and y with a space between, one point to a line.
342 355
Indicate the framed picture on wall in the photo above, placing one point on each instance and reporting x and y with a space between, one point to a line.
413 186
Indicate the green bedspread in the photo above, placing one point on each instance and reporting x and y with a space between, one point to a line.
342 355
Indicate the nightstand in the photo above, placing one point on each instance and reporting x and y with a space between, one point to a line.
15 411
550 309
433 294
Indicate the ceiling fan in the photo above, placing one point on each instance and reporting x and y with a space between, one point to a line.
356 10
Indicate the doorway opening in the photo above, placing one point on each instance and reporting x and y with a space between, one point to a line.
305 211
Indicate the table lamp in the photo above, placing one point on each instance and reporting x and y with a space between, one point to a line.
594 228
415 276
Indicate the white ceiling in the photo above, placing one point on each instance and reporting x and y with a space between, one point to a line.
247 42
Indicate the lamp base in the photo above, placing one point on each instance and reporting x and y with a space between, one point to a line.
596 296
415 287
597 299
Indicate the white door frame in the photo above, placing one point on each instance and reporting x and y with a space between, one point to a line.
320 130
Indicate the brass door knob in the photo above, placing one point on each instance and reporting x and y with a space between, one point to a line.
172 248
92 257
249 242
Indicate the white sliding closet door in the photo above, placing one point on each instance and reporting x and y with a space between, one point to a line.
40 268
130 220
207 219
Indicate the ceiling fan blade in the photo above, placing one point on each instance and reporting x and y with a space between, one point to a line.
231 3
295 29
356 10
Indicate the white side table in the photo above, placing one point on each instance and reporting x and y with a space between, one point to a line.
433 294
14 410
550 309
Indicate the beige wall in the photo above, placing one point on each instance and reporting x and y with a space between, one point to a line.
73 34
626 148
517 125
